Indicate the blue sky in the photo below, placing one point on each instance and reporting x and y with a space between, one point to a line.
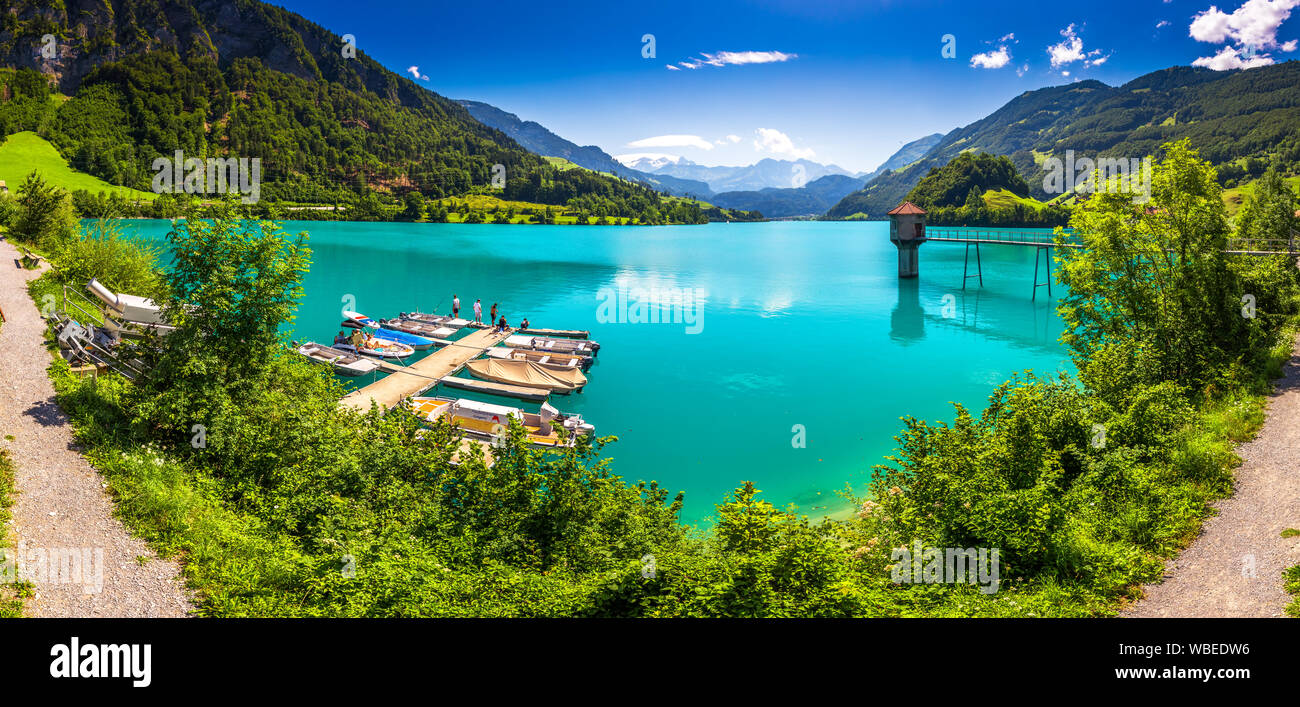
836 82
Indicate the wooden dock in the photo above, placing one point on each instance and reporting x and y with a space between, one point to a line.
406 381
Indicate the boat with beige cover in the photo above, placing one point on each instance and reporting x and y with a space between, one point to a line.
528 374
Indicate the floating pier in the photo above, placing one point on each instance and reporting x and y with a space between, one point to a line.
406 381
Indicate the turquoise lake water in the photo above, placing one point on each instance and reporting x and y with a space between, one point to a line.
799 324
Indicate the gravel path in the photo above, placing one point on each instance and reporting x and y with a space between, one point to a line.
1234 568
63 514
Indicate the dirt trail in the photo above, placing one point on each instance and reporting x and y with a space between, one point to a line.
1233 569
62 513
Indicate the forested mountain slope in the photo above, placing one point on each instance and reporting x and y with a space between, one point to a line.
1236 119
241 78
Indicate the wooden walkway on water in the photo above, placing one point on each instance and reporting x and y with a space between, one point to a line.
406 381
1045 241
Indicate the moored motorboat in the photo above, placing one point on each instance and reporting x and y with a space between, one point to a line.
378 347
537 343
545 359
439 319
552 333
356 320
344 362
527 374
425 329
490 422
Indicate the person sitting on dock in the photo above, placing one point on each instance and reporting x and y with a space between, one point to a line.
478 311
501 326
523 324
455 306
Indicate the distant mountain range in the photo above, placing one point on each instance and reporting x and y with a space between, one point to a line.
819 195
535 138
765 173
1232 117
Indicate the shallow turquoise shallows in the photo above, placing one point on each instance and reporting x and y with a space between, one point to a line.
802 333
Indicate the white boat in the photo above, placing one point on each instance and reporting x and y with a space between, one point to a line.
357 320
545 359
537 343
411 326
489 421
379 348
344 362
439 319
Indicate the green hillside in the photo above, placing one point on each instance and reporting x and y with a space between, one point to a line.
25 151
244 79
1239 120
981 190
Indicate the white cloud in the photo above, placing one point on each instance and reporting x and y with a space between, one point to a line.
1248 31
1162 23
1255 23
1066 51
778 143
1008 37
1022 70
1230 58
672 68
736 58
414 71
673 141
733 138
995 59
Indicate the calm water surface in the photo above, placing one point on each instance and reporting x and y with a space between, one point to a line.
802 326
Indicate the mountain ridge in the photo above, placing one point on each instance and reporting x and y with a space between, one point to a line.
1228 116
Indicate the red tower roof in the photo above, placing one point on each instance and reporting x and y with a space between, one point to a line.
906 208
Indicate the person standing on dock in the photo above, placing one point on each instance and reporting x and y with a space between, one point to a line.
492 316
478 311
455 306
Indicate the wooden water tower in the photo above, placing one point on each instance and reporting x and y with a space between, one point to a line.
907 231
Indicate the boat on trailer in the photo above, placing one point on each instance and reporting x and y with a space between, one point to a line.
358 320
527 374
489 421
344 363
566 346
